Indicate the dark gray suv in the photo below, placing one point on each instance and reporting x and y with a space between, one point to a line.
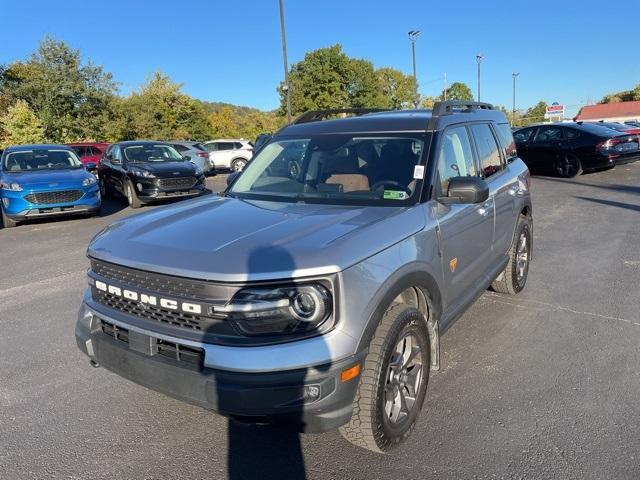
316 296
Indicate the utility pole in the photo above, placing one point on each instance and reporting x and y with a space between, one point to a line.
413 36
513 112
287 87
479 59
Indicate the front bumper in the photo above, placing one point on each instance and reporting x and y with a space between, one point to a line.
148 191
18 208
312 399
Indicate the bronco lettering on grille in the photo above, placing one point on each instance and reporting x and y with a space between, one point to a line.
145 299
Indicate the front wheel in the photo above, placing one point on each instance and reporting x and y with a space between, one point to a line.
568 166
7 221
104 193
132 198
393 384
514 277
238 164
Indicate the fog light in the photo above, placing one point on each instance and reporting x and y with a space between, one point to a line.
311 393
139 185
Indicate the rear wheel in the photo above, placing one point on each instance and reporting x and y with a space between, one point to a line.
514 277
568 166
393 384
7 221
132 198
238 164
104 193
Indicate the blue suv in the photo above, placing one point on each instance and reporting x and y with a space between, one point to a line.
45 180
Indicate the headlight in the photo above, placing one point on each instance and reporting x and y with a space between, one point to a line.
295 309
14 187
142 173
89 181
199 172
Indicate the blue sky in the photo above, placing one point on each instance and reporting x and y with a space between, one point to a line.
565 50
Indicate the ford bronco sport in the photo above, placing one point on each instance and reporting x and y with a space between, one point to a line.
322 292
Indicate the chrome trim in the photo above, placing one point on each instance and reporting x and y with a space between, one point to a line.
253 307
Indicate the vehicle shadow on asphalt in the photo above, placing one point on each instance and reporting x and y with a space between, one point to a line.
612 203
606 186
265 451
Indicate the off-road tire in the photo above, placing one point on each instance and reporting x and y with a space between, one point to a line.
369 428
7 222
131 196
509 281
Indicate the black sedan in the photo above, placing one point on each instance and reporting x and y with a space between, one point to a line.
567 149
146 171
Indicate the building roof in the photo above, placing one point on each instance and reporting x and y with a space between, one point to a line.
609 110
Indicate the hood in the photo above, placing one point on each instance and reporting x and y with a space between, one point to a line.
50 179
232 240
166 168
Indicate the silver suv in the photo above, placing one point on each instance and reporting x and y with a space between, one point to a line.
319 299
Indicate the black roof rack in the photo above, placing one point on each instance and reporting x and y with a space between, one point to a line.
316 115
442 108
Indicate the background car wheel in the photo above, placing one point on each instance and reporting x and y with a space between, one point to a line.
7 222
393 383
132 198
568 166
104 193
238 164
514 277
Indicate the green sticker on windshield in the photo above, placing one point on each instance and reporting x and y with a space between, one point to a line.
394 195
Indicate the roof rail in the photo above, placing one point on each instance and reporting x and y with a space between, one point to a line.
442 108
316 115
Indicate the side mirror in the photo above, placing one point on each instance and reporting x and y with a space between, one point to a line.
90 166
467 190
186 158
232 178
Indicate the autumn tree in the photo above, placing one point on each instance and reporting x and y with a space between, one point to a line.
458 91
20 125
397 89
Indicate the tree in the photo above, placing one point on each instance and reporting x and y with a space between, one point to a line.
20 125
623 96
534 114
161 111
398 90
71 98
459 91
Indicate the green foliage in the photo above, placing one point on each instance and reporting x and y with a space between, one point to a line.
230 121
459 91
327 78
623 96
20 125
534 114
397 89
71 98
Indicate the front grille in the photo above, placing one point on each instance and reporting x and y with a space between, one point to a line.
175 351
177 183
150 312
47 198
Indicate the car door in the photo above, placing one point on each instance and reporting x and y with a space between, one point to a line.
115 169
216 154
502 188
465 230
522 138
543 150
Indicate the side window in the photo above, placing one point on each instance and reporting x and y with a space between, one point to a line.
455 158
179 148
488 151
549 134
523 135
237 145
507 142
571 133
117 155
225 146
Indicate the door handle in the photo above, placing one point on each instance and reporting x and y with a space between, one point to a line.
485 209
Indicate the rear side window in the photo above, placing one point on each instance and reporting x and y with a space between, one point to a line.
507 142
238 146
455 158
179 148
225 146
571 133
488 150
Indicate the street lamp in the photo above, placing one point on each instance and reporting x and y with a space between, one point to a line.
413 36
479 59
286 87
513 113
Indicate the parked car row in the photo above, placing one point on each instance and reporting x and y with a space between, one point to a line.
568 149
57 180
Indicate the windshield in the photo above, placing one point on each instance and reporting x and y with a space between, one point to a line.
39 160
339 169
151 153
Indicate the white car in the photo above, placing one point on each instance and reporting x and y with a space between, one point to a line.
232 154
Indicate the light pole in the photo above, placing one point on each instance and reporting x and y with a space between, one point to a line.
284 60
413 36
513 112
479 59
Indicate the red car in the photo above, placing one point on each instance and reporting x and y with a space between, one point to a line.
89 152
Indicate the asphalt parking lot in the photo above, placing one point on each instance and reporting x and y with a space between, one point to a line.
542 385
